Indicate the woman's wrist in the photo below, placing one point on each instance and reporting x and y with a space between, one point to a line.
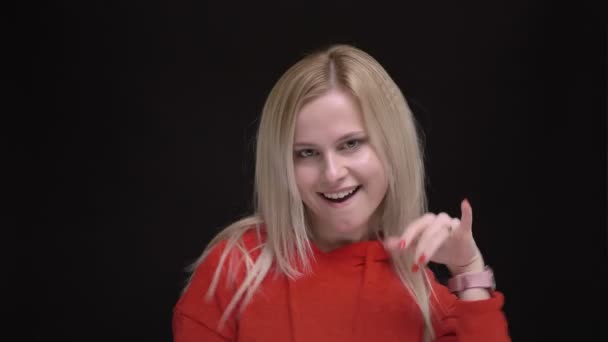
473 293
476 265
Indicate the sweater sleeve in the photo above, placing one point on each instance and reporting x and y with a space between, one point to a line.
187 328
470 321
196 318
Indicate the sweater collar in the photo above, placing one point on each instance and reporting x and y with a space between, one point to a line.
356 253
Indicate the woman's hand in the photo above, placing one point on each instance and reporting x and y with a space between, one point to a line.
442 239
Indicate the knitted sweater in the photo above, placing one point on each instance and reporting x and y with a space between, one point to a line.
352 295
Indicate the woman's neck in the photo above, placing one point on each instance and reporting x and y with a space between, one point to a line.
328 243
327 239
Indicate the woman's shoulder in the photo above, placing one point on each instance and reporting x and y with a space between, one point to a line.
219 272
254 236
226 258
235 247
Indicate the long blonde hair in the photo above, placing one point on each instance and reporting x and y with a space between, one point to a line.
278 206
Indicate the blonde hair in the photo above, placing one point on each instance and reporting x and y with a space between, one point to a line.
392 131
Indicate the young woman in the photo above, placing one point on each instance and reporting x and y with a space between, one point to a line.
337 247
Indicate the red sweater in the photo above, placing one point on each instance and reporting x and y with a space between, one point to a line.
353 295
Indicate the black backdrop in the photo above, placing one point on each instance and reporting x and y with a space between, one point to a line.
138 127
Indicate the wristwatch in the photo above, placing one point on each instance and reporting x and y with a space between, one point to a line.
484 279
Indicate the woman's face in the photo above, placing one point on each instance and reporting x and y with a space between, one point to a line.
339 175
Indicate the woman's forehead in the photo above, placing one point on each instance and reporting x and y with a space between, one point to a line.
333 124
331 115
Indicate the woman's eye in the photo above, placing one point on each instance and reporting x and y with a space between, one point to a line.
305 153
351 144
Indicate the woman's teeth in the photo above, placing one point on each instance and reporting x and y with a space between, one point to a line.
339 195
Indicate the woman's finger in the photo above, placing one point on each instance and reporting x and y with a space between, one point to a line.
432 238
466 220
411 232
455 224
414 230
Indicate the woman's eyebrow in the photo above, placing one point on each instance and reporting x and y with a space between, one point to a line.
347 136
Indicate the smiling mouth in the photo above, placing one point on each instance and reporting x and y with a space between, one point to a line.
339 198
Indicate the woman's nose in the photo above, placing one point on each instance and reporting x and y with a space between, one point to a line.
335 168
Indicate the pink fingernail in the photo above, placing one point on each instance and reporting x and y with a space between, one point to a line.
415 268
402 244
422 259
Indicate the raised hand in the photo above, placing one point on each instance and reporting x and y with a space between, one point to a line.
441 239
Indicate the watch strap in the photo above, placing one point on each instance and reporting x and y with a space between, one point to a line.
461 282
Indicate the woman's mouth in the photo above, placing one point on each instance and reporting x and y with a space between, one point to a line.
339 197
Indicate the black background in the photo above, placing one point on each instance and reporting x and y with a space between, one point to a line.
134 146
